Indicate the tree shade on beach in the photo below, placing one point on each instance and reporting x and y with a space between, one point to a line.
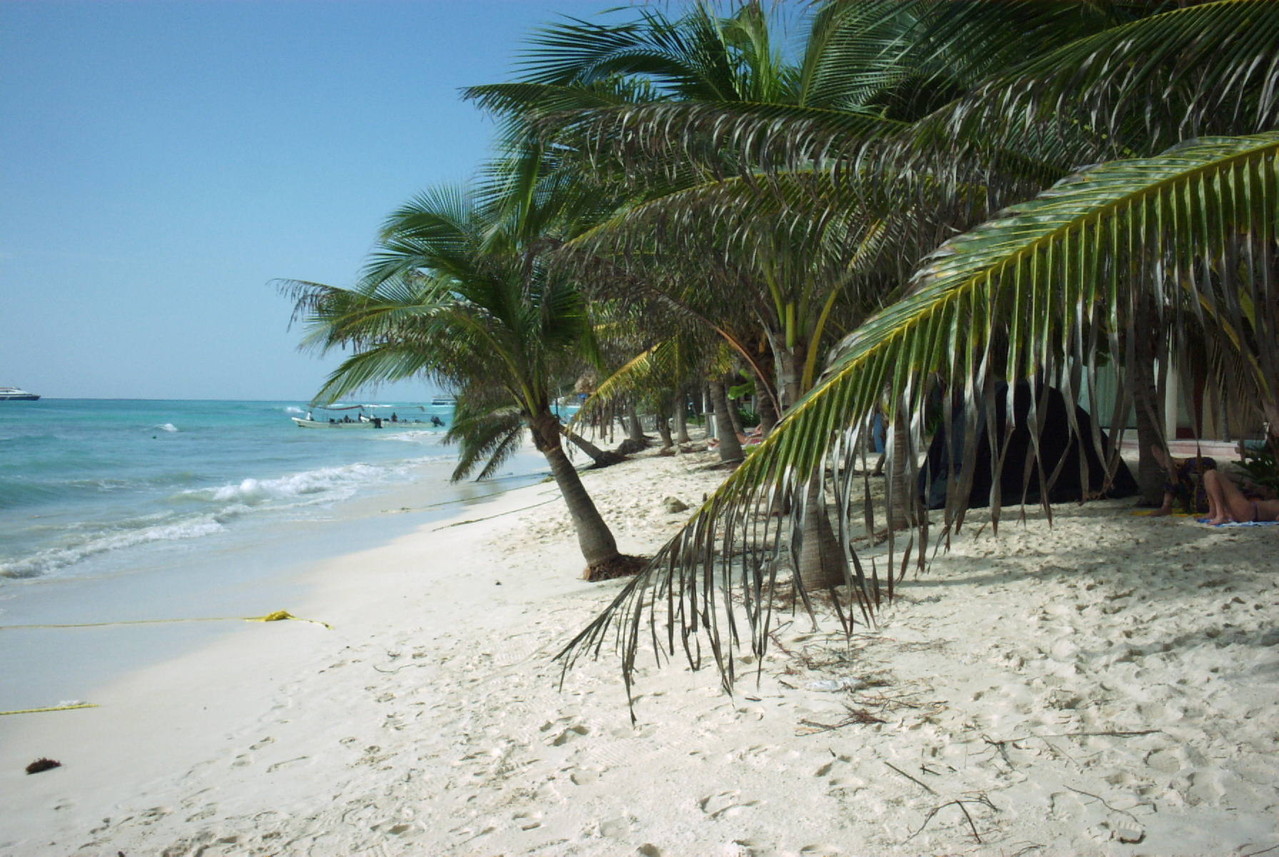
1058 269
930 201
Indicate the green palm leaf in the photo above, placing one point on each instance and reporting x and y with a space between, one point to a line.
1023 296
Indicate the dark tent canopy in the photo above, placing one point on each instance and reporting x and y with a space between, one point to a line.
1056 441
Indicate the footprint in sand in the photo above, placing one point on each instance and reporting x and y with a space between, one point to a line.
528 820
565 735
617 828
278 765
584 776
724 804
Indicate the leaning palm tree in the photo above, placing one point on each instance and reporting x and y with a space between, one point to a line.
446 296
1179 215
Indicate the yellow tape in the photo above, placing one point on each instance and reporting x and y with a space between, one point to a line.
277 616
282 615
51 708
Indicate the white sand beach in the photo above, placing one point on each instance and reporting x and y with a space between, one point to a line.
1108 685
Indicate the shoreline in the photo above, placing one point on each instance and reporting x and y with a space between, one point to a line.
1106 686
164 600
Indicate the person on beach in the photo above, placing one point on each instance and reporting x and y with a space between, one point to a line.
1227 503
750 438
1184 485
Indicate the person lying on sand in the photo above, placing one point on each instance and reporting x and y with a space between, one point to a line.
750 438
1184 485
1227 503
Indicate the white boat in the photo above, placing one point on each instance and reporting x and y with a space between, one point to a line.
13 394
375 423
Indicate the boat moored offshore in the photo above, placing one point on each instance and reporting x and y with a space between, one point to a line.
13 394
372 419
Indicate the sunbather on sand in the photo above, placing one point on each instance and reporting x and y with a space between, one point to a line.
1227 503
1184 485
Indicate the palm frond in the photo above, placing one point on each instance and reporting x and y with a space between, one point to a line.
1025 296
487 432
1188 72
690 57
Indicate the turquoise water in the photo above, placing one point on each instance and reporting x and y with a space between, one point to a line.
88 487
120 511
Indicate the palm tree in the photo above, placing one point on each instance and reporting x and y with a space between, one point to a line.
697 58
450 295
760 270
1179 214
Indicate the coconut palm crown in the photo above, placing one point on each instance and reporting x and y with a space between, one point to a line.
449 295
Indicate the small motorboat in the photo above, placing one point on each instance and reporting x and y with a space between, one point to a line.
365 421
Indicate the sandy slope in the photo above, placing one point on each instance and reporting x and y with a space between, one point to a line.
1109 685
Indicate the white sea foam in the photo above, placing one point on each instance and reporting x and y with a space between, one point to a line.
425 435
214 509
329 483
97 499
52 559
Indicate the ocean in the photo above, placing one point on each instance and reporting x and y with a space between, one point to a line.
119 510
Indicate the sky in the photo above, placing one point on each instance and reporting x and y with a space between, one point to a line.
164 162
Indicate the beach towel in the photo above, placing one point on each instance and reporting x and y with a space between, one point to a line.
1239 523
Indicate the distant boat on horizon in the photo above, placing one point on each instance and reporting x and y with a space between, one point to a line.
13 394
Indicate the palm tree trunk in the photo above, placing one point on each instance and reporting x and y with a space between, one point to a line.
664 430
680 415
790 363
903 510
595 539
635 431
600 457
1145 397
821 558
768 415
734 415
730 448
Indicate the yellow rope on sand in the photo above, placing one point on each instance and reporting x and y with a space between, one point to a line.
277 616
282 615
51 708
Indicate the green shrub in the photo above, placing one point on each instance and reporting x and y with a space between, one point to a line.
1260 465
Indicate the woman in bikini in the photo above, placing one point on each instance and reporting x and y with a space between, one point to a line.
1227 503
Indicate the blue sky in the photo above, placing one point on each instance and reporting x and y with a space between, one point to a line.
161 163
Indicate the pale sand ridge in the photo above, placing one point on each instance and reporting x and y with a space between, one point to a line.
1104 686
